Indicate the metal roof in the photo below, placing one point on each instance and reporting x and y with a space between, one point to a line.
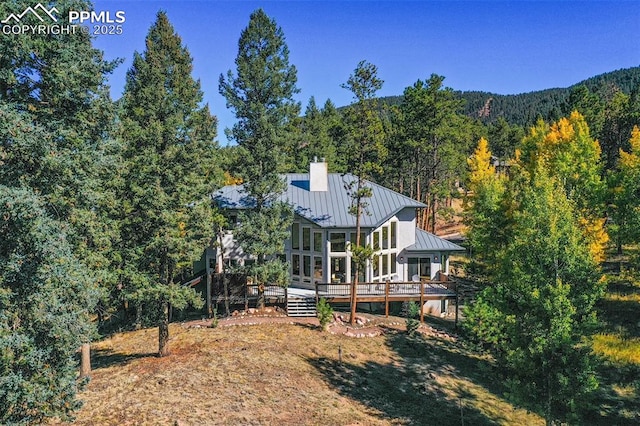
327 209
426 241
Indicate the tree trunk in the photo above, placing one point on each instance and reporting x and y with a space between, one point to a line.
85 360
222 270
208 296
261 301
619 245
138 324
548 420
163 331
354 283
225 283
433 215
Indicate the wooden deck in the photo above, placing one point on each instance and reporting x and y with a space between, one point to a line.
394 291
390 292
368 292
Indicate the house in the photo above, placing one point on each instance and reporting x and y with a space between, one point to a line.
323 229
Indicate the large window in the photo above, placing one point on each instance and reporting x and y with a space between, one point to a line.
295 236
306 239
353 273
394 232
317 267
352 238
306 266
385 237
375 264
338 269
420 267
338 242
317 242
295 262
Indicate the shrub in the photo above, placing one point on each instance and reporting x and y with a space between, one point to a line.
324 313
411 311
214 320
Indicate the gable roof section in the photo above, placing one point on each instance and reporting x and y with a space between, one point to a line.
327 209
426 241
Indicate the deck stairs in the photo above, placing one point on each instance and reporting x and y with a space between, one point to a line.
301 306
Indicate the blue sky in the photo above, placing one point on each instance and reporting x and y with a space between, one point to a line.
496 46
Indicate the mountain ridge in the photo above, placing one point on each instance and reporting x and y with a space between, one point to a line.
526 108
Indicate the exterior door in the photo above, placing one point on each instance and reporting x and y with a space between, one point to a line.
420 268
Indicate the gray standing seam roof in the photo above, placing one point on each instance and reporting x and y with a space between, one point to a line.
327 209
426 241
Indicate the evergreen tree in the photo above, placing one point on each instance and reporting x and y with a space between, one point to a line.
625 188
169 175
366 153
56 157
436 139
337 131
45 296
590 105
261 96
316 139
58 83
504 138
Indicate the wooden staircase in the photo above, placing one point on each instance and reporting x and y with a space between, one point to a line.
301 306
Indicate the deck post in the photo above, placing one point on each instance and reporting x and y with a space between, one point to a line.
209 307
286 300
457 302
422 301
386 299
317 290
246 298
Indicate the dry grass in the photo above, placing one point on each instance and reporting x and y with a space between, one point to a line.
290 375
617 348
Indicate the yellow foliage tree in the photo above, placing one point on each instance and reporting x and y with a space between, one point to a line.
569 154
484 217
631 159
480 167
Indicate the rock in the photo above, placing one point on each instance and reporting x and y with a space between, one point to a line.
234 313
251 311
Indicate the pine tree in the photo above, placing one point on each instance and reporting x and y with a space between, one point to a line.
45 296
58 83
261 96
366 153
56 157
170 172
436 138
625 188
504 138
316 138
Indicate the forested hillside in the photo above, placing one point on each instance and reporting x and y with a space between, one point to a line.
524 109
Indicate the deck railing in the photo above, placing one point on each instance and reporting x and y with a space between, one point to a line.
427 288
